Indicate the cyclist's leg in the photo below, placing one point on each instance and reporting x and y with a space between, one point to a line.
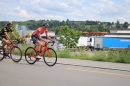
45 48
36 40
3 45
5 42
40 45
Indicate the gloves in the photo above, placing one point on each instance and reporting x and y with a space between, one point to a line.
18 40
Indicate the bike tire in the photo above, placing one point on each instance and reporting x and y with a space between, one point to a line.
51 59
1 53
29 55
16 54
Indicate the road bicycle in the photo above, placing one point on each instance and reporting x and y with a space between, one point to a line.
49 54
12 51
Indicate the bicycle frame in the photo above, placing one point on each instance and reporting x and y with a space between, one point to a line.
10 47
43 48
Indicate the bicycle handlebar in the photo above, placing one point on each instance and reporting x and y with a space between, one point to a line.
15 42
51 42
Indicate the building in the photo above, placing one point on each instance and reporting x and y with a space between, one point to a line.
23 33
86 33
118 33
27 40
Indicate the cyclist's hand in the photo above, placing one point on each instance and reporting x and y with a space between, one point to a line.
53 41
18 40
9 41
45 41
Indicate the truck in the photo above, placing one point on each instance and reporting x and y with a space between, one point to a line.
82 41
90 43
110 42
87 42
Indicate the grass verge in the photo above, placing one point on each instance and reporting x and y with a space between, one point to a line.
109 56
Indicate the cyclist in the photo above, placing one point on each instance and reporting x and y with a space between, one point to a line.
4 35
36 36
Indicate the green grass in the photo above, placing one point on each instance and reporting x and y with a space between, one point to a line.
23 48
120 57
110 56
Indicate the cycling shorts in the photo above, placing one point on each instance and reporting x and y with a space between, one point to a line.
34 39
3 37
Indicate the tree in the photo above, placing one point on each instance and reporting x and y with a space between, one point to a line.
69 37
125 25
15 32
109 24
118 24
101 28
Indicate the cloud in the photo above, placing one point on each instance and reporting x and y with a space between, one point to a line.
21 13
21 2
127 0
102 10
4 0
64 4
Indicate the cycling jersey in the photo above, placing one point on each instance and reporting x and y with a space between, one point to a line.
39 30
2 32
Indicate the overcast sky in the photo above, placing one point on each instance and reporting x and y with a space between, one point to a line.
77 10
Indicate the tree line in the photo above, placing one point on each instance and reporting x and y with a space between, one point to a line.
68 31
55 25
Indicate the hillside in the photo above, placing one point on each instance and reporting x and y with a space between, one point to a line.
54 25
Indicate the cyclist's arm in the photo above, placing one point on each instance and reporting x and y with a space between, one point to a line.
39 36
7 35
14 35
48 37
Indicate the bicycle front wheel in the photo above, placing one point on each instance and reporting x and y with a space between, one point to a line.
16 54
1 54
50 57
30 55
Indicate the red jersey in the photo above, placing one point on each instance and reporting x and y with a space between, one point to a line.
40 31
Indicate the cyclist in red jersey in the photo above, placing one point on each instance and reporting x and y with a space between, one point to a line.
36 35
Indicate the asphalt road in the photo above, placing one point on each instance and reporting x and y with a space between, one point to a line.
67 72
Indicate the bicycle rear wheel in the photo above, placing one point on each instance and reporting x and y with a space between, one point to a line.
1 53
30 55
50 57
16 54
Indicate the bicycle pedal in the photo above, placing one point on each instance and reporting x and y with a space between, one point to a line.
38 59
5 54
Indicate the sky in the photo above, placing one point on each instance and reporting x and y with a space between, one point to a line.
77 10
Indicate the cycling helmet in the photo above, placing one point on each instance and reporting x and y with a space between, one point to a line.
45 24
9 23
